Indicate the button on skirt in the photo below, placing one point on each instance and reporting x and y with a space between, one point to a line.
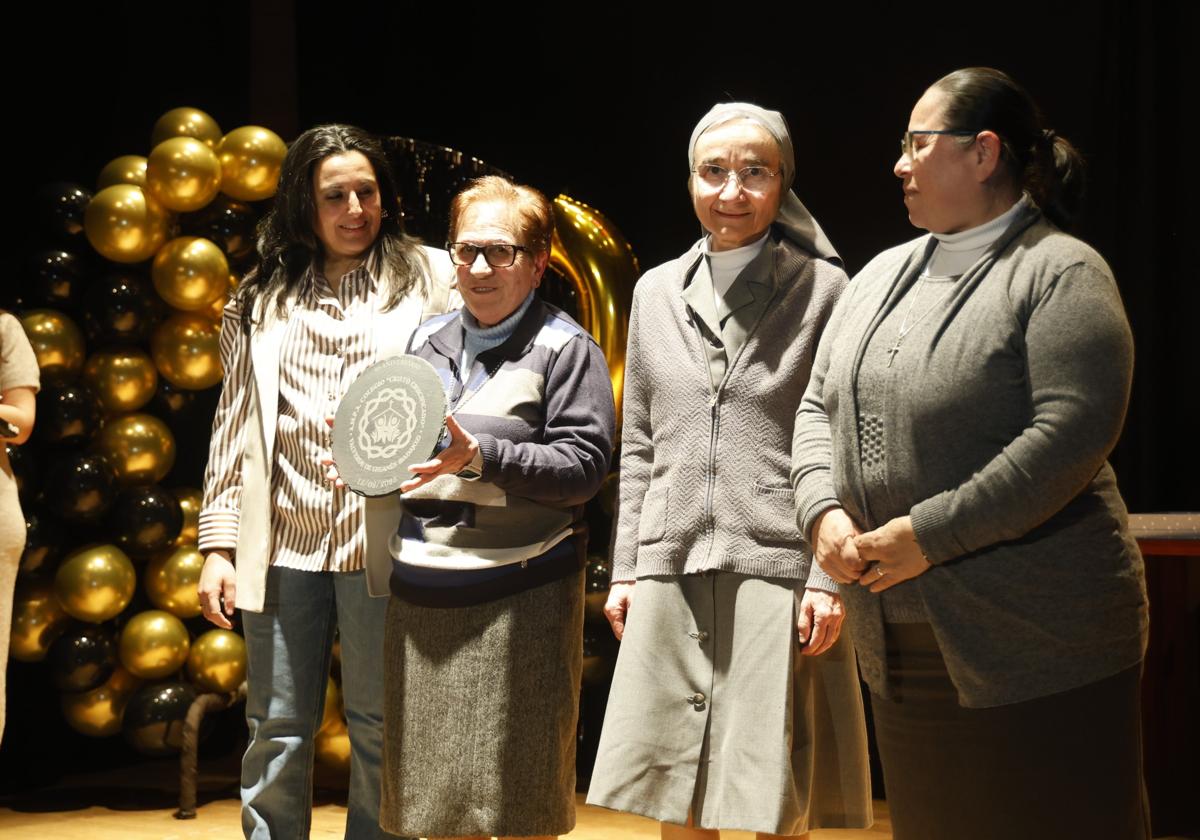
480 721
714 712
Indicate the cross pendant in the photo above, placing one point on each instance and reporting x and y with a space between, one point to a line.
892 351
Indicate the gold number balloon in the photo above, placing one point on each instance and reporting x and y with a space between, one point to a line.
124 224
187 351
170 581
123 378
599 263
218 661
140 448
332 747
95 583
251 157
183 174
190 273
126 169
190 501
186 122
98 712
57 343
332 717
154 644
37 620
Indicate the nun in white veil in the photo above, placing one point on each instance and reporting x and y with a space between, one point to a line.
735 702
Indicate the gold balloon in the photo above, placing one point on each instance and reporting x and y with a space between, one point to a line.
190 502
186 122
140 448
124 224
123 378
251 157
98 712
599 263
126 169
56 341
170 581
332 747
37 620
332 716
187 351
190 273
154 644
218 661
95 583
183 174
217 310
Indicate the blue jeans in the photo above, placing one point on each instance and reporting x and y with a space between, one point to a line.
288 648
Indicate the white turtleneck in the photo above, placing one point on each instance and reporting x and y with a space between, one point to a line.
725 266
956 252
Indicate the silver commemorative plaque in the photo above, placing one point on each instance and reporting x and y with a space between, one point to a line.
392 416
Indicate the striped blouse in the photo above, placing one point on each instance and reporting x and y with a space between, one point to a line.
327 344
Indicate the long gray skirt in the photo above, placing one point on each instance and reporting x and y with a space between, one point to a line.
481 714
714 712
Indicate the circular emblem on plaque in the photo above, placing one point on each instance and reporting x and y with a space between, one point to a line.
392 416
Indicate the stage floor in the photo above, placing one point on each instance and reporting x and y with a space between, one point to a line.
219 818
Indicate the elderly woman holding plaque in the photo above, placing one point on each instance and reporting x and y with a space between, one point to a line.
338 286
484 632
734 704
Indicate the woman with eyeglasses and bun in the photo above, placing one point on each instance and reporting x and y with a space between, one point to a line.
734 704
950 469
483 649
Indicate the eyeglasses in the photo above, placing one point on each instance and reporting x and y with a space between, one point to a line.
906 140
497 254
753 179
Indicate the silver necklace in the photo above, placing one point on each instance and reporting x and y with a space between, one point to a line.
905 327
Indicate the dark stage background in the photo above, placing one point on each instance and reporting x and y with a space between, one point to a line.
598 101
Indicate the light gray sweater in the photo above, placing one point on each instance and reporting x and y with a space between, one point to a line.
1014 394
704 470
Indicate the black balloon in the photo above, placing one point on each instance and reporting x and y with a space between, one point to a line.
43 542
597 575
61 207
67 414
56 280
121 308
83 657
146 519
227 222
80 486
24 462
175 405
153 723
599 655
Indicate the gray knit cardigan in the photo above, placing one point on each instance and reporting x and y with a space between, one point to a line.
999 443
704 474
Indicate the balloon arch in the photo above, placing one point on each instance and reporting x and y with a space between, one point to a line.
126 334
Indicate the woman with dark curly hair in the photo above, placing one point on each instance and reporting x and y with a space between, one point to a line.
338 286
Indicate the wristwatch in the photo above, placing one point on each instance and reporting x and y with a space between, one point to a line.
474 470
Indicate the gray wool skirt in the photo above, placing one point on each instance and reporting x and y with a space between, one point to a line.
713 712
482 704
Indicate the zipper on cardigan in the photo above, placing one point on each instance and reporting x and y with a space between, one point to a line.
710 478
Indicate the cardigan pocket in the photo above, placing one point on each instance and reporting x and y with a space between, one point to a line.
773 514
652 526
